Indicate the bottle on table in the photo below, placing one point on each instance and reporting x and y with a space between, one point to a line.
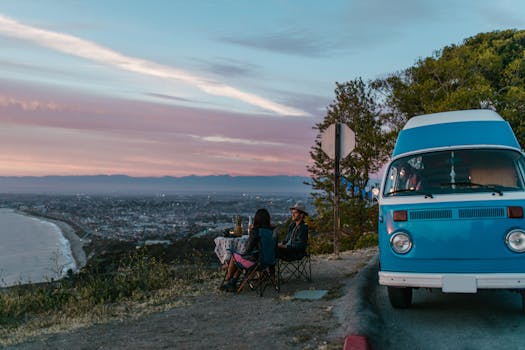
238 226
250 224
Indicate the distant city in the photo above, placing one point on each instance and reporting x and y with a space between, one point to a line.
140 218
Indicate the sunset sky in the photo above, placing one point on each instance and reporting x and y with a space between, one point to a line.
175 88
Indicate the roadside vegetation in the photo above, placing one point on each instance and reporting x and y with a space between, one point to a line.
122 280
119 281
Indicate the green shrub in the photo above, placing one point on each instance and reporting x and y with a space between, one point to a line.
367 240
132 276
324 243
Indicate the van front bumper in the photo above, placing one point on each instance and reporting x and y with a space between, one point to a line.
453 282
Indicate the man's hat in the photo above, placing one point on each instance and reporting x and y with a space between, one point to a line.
299 206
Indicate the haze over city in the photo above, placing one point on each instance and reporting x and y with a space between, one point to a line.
175 88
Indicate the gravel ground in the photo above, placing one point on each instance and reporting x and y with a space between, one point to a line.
245 321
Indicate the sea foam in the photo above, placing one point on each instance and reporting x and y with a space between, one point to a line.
32 250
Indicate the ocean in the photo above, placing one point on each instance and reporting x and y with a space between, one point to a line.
31 250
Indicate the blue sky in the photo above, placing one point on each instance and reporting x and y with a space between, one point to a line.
154 88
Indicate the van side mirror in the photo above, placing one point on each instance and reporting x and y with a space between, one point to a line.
375 192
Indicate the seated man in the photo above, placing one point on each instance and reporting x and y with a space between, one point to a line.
293 247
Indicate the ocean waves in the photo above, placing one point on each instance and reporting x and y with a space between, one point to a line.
32 250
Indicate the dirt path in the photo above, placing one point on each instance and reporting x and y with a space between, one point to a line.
219 321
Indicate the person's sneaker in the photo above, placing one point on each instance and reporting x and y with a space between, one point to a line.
230 287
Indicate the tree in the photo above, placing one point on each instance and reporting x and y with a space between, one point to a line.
486 71
355 105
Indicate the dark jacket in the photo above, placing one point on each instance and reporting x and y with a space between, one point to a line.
253 242
297 237
252 246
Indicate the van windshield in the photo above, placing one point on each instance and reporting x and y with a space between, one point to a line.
457 171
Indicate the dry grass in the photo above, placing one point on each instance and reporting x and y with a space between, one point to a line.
74 314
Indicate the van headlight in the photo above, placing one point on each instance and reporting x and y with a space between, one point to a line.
515 240
401 243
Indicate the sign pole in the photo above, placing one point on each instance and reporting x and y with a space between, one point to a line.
336 187
337 141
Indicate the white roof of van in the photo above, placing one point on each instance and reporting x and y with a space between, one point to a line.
453 117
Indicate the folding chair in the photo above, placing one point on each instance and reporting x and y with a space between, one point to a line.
262 273
288 269
241 262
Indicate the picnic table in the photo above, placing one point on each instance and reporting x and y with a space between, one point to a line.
224 245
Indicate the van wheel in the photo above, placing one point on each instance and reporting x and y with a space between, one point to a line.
400 297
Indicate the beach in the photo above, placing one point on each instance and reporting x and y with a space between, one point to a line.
76 244
34 249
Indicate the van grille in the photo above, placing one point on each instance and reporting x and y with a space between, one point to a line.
481 213
457 213
431 214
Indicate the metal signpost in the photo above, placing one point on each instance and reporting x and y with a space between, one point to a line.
337 141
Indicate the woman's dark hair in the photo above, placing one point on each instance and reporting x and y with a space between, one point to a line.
261 219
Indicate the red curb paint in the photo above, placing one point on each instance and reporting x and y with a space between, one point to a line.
356 342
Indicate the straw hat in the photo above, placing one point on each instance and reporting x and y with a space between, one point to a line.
299 206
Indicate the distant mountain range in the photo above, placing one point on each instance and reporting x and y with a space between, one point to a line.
122 184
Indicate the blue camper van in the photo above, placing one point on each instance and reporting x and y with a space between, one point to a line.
451 207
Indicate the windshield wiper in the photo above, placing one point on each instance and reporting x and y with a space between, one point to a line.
473 184
426 194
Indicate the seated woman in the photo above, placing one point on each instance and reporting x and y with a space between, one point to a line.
294 245
249 257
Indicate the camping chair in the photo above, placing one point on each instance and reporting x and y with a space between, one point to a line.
262 273
288 269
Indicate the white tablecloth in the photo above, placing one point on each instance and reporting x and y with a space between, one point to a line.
222 244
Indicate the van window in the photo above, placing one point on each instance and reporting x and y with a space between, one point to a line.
456 171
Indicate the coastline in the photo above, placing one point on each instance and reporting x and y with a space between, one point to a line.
75 242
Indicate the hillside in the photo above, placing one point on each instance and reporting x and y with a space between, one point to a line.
199 316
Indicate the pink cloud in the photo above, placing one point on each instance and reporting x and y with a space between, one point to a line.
33 105
55 132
